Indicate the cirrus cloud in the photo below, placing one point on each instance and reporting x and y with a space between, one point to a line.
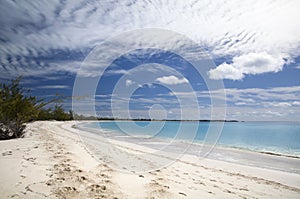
37 29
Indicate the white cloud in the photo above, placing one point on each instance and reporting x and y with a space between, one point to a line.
273 113
240 103
296 103
251 63
53 87
172 80
116 72
232 28
36 69
280 104
226 71
277 97
129 82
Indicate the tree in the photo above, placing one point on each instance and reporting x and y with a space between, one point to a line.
16 108
60 114
56 113
45 114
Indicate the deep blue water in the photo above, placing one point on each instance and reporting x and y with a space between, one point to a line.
276 137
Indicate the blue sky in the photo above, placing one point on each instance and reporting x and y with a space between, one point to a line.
255 47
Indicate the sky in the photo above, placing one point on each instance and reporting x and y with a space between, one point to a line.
139 58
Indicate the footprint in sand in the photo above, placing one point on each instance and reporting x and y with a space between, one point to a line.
243 189
200 183
181 193
7 153
30 159
192 188
22 176
66 191
228 191
14 195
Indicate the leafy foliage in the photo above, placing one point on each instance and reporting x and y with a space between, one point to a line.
16 109
57 113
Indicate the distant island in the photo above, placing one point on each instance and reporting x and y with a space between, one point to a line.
80 117
170 120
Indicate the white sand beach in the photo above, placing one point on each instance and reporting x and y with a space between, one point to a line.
52 162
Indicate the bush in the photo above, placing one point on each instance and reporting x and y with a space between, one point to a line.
16 109
45 114
57 113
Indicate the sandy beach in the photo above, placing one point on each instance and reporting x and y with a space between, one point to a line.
52 161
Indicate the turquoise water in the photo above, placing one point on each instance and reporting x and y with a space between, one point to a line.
274 137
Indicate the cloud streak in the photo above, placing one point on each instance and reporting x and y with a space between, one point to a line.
278 103
54 87
172 80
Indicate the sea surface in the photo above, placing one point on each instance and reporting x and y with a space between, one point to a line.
274 137
277 143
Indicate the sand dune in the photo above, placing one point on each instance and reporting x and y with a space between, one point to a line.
53 162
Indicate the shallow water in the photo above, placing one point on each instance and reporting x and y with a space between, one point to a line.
273 137
260 144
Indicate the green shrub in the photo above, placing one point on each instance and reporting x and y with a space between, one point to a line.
16 109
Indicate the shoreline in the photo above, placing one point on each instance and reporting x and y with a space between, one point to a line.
219 151
197 142
52 161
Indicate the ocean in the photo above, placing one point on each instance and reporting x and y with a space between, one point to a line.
277 143
273 137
